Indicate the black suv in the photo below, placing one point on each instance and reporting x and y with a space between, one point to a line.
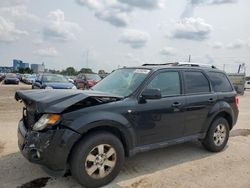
132 110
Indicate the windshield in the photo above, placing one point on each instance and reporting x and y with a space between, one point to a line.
32 77
54 78
95 77
11 76
122 82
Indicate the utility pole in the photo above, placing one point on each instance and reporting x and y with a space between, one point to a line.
87 58
189 58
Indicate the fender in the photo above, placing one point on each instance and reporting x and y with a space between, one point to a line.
218 108
89 121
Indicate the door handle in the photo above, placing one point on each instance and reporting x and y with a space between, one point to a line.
211 100
176 104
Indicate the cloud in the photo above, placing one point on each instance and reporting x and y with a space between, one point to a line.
192 4
144 4
9 32
4 3
134 38
168 51
248 43
211 2
18 13
114 16
191 29
58 29
118 12
236 44
111 11
47 52
216 45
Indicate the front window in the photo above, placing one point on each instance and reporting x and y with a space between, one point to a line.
122 82
54 78
167 82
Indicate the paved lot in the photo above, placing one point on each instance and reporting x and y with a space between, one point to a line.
184 165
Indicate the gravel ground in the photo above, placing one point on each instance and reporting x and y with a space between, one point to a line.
185 165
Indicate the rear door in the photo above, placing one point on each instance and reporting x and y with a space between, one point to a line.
199 100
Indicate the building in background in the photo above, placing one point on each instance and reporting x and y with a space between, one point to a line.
37 68
6 69
19 64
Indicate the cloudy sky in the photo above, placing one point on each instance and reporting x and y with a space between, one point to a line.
106 34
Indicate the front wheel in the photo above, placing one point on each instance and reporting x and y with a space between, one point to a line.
217 135
97 159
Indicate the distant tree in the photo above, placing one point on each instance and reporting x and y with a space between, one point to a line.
248 78
25 70
70 71
102 72
54 71
86 70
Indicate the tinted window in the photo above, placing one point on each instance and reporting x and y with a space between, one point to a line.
196 82
167 82
220 82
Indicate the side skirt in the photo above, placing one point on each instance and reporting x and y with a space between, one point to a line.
164 144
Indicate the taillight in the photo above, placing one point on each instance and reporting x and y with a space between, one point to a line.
236 101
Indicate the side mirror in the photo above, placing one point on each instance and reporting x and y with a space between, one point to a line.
151 94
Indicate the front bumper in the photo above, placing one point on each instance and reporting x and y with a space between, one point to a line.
50 148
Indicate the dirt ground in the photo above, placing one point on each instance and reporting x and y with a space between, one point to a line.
185 165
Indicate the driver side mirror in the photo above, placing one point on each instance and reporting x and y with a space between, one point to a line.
151 94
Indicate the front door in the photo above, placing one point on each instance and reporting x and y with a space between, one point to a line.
162 119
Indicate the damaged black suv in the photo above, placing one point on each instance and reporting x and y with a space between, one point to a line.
89 133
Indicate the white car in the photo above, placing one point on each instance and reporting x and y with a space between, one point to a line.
247 84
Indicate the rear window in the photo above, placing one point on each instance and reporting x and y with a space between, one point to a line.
196 82
220 82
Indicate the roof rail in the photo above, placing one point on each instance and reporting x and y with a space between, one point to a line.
188 64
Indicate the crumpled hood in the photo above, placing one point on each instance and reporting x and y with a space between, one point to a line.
56 101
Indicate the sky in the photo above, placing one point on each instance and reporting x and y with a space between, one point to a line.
107 34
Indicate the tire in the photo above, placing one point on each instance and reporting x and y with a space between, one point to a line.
217 135
81 167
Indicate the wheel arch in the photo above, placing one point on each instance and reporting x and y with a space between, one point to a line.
125 135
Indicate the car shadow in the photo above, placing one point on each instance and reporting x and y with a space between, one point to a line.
16 171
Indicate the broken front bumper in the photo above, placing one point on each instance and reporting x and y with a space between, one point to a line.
50 148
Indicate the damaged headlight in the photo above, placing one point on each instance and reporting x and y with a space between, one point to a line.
45 120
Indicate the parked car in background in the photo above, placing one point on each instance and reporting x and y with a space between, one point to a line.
132 110
2 76
71 79
24 76
52 81
247 84
11 79
86 81
29 79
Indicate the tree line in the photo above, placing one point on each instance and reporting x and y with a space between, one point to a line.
69 71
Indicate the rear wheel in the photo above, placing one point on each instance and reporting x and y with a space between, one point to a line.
97 159
217 135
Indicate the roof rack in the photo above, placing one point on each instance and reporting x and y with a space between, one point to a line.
188 64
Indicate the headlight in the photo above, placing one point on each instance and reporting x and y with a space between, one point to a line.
74 87
48 87
46 120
